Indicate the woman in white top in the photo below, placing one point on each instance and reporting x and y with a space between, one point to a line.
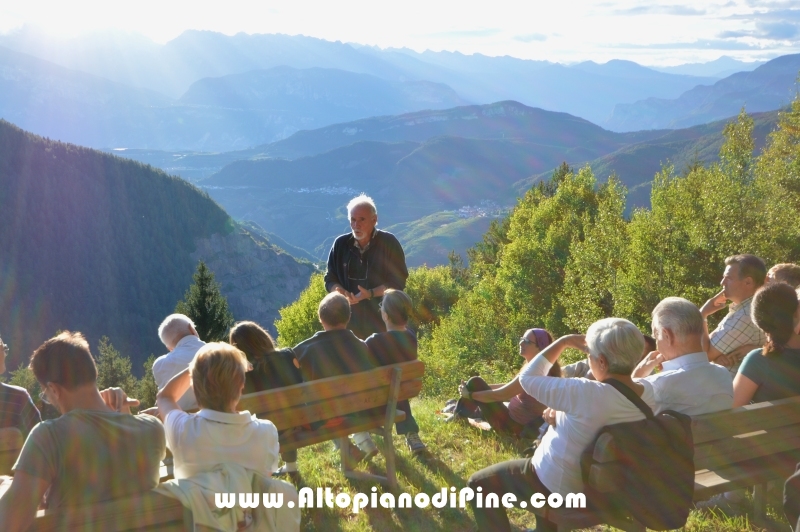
582 408
217 434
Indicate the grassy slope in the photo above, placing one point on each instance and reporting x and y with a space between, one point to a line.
461 450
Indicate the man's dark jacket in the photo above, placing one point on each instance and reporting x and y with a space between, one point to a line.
383 263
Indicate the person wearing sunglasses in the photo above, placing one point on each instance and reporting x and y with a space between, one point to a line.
362 264
522 410
16 407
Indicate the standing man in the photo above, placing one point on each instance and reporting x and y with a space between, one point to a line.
736 335
362 264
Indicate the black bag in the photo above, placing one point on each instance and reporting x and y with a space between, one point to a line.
657 458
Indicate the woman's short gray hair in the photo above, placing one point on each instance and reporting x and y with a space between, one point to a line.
619 340
362 200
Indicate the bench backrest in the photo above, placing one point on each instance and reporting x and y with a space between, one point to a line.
11 441
323 399
148 511
720 439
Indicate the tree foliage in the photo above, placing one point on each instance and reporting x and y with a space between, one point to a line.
206 306
299 320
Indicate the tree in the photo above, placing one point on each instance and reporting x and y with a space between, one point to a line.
147 389
299 320
113 369
206 306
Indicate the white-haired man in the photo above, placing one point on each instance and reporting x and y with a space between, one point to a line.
688 382
178 334
362 264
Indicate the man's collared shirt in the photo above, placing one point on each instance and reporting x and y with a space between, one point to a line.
167 366
692 385
735 330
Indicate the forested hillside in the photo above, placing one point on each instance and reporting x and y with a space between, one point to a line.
107 246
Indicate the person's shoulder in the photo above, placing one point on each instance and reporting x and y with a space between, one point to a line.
387 236
343 240
17 392
308 341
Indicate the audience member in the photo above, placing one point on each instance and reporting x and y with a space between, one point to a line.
580 369
178 334
736 334
688 382
784 273
522 410
337 351
272 368
398 344
96 450
583 408
16 407
218 448
769 373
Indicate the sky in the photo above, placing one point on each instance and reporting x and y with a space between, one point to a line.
645 31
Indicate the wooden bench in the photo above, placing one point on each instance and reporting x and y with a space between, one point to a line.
293 407
11 441
733 449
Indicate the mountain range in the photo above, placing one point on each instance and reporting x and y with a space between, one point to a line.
768 87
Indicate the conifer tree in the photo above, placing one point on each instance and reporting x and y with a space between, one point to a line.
206 306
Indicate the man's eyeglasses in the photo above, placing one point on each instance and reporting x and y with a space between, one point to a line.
43 395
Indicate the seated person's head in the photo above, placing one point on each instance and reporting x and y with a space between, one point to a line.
218 371
615 347
3 349
649 345
334 311
776 311
64 366
396 307
252 339
744 274
174 328
677 323
784 273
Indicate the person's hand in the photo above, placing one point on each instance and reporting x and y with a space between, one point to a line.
653 360
363 293
462 390
575 341
339 289
549 416
714 304
152 411
117 400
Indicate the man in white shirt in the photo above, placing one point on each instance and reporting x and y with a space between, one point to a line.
688 382
178 333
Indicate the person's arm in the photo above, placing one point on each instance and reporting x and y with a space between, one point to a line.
730 359
502 392
18 505
567 395
29 418
647 365
743 390
716 303
167 398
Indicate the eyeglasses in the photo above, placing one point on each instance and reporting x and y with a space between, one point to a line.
524 340
5 348
43 395
356 268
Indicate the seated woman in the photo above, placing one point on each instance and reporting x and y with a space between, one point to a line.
583 408
396 345
271 369
16 407
522 410
772 372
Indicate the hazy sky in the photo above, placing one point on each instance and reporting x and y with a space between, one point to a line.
562 30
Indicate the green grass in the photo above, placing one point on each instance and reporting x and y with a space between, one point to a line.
458 450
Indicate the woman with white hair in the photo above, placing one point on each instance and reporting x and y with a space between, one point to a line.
582 408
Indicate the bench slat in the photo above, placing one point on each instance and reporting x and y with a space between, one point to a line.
748 418
760 443
324 389
339 406
150 511
743 474
361 423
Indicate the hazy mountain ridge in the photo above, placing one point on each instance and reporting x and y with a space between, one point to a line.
768 87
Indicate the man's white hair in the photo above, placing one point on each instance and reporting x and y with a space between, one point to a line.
619 340
679 315
362 200
173 328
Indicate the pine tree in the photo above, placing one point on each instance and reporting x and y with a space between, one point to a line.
206 306
113 369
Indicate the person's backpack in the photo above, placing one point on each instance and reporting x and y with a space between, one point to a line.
657 459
